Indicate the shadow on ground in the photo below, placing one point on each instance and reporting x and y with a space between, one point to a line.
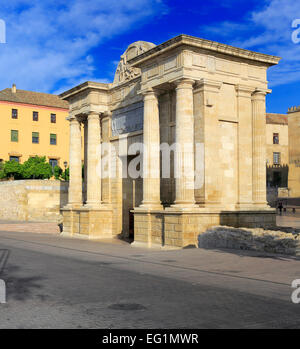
17 287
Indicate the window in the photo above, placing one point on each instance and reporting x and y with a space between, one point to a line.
14 113
53 118
14 136
276 158
275 138
53 163
35 137
35 116
14 158
52 138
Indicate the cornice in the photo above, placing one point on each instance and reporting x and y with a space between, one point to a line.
204 44
88 85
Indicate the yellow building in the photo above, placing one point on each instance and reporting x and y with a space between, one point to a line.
294 151
277 141
33 123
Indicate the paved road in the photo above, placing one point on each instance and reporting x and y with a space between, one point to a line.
55 282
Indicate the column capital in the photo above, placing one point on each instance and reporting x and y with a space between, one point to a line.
150 92
259 93
208 85
107 113
184 83
72 118
244 90
93 115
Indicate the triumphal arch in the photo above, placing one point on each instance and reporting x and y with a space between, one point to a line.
174 145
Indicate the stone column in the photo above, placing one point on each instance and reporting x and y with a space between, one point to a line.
259 147
184 154
151 155
75 183
244 110
94 161
85 152
207 136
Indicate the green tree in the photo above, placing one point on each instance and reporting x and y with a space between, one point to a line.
12 169
2 174
57 172
37 168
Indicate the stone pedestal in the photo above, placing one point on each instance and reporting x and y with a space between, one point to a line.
181 228
88 223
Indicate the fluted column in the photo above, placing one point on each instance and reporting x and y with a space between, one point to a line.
75 183
259 147
184 155
85 155
93 160
245 145
151 154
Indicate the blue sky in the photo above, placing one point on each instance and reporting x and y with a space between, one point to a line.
54 45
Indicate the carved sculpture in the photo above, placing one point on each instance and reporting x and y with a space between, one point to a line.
124 70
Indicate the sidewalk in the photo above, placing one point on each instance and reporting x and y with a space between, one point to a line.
29 227
288 221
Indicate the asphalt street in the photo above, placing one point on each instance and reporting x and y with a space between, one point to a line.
55 282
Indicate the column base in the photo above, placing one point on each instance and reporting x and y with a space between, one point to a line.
260 205
92 205
74 206
184 205
88 223
151 206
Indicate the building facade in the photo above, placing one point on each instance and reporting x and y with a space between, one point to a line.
294 152
277 139
33 124
176 144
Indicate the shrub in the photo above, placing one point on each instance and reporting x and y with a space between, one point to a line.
36 168
12 169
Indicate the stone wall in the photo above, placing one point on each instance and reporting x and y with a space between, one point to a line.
258 239
171 228
32 200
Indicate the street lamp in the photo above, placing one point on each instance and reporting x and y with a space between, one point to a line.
65 164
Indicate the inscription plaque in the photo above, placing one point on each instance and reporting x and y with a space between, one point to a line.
127 119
